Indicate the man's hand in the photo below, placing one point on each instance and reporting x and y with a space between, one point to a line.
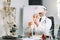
36 22
30 24
35 19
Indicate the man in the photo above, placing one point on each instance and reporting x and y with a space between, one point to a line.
43 25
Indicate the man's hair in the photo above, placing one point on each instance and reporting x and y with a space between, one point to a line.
44 8
39 8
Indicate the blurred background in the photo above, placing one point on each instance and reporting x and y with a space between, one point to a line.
53 7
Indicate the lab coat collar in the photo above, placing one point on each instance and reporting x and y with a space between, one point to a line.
43 18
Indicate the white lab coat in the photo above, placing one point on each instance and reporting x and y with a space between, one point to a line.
44 26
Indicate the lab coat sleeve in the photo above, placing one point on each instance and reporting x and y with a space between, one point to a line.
48 26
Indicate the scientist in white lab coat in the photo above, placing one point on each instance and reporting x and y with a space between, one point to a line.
43 25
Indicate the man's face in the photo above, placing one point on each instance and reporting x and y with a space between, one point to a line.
35 17
42 13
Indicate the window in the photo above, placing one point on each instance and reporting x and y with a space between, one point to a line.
35 2
58 7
